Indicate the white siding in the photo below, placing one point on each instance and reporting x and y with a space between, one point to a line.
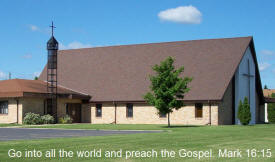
265 118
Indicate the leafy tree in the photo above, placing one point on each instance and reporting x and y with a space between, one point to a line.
36 78
167 88
271 111
265 87
244 114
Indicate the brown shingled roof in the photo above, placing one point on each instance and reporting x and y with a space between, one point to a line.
121 73
268 92
22 88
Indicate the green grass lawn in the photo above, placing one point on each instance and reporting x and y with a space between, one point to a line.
180 137
9 125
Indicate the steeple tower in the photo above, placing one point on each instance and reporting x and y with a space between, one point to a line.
52 47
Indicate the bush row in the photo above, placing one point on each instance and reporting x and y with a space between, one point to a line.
34 119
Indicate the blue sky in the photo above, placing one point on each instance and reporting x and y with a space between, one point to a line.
87 23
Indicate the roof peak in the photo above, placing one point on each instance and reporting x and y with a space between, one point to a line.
207 39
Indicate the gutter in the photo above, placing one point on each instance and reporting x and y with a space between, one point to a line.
115 111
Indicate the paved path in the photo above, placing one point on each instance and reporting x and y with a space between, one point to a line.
7 134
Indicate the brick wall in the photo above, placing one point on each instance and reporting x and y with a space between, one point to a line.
34 105
11 117
145 114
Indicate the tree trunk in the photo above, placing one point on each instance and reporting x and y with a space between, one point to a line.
169 120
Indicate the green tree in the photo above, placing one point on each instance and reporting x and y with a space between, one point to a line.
265 87
36 78
244 114
167 88
240 109
271 111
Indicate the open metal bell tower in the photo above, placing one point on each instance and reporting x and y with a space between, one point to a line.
52 47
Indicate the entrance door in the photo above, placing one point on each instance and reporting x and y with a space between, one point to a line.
74 111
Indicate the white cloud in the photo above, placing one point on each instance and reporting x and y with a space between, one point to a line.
74 45
267 52
27 56
263 66
36 74
33 28
182 14
3 75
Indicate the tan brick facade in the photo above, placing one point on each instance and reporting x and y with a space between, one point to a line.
213 113
145 114
35 105
11 117
142 113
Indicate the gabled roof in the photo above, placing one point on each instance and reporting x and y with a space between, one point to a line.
121 73
33 88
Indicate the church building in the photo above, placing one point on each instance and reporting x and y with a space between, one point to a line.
104 85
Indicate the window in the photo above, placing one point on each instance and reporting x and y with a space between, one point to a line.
4 107
129 110
198 110
162 115
98 111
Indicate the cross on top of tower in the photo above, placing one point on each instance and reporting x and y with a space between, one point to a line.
52 44
52 26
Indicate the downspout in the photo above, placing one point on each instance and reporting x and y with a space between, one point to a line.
115 111
209 112
17 107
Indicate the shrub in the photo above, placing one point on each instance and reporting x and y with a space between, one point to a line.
47 119
244 114
271 111
65 120
240 109
32 119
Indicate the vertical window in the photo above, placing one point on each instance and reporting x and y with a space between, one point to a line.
98 111
162 115
129 110
4 107
198 110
